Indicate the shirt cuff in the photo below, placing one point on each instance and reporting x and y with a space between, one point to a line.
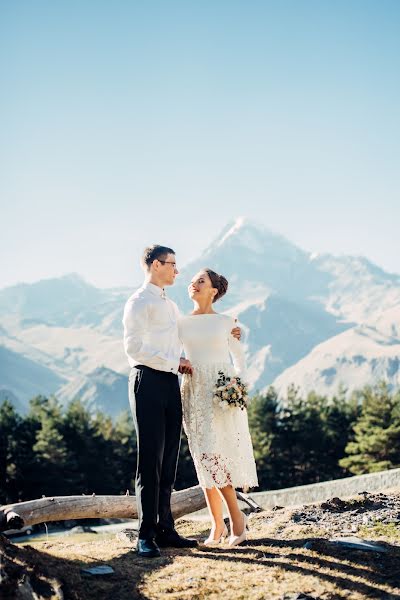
173 365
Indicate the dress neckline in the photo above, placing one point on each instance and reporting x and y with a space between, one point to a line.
205 315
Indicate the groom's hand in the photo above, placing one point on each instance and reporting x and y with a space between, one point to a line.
237 333
185 366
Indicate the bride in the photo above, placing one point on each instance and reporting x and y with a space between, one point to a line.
219 440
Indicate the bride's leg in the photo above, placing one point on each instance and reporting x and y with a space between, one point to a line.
235 514
214 503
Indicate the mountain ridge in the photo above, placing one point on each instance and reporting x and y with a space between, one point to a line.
289 302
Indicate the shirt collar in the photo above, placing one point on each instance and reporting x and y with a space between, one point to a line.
154 289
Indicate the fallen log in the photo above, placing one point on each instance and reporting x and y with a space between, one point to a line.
253 506
60 508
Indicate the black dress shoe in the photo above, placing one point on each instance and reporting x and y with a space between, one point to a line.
148 548
172 539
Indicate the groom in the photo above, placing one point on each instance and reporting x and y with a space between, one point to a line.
154 353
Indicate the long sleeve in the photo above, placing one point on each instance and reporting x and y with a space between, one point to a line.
136 326
237 352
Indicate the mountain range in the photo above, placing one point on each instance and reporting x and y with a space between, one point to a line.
317 321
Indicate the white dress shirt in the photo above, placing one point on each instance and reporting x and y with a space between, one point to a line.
151 329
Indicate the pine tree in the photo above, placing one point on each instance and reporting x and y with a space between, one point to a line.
303 439
51 453
299 440
9 423
87 460
124 452
376 444
265 434
339 418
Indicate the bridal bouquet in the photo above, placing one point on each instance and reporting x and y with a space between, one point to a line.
230 392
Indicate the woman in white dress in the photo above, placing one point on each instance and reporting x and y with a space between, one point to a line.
219 440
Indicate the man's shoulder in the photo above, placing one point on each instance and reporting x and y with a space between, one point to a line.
139 297
174 304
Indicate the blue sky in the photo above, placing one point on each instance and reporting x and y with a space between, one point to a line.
127 123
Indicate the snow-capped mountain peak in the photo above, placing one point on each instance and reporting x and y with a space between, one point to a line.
232 229
253 237
307 318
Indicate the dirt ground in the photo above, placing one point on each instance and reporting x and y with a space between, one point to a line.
274 563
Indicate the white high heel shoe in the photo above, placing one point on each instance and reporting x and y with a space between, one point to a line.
235 540
211 542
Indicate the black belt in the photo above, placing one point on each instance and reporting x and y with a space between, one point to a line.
145 367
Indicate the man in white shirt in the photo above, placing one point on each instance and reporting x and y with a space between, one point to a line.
154 353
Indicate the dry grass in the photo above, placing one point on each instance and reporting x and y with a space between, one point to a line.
388 532
271 564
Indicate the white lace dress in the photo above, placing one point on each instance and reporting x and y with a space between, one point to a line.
219 440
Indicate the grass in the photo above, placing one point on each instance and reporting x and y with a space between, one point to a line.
381 531
271 564
76 538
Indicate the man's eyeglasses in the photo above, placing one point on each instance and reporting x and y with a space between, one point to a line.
168 262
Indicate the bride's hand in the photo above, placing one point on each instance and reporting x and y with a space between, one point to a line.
185 366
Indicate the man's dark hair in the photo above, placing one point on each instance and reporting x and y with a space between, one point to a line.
155 252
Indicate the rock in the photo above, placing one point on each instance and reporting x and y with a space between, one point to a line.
344 518
334 504
366 519
99 570
357 543
127 536
20 579
297 517
308 545
298 596
80 529
30 588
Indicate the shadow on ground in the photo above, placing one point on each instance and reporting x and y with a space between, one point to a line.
355 573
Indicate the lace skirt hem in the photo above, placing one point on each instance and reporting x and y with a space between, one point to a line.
219 441
235 484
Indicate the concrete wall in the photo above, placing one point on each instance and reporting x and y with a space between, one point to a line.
318 492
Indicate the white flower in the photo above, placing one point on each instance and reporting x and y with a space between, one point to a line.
225 406
225 395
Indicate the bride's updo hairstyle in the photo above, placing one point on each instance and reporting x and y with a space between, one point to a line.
219 282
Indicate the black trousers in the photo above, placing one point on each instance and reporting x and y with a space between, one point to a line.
156 406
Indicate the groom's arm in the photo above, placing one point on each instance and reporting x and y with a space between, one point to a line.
185 366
